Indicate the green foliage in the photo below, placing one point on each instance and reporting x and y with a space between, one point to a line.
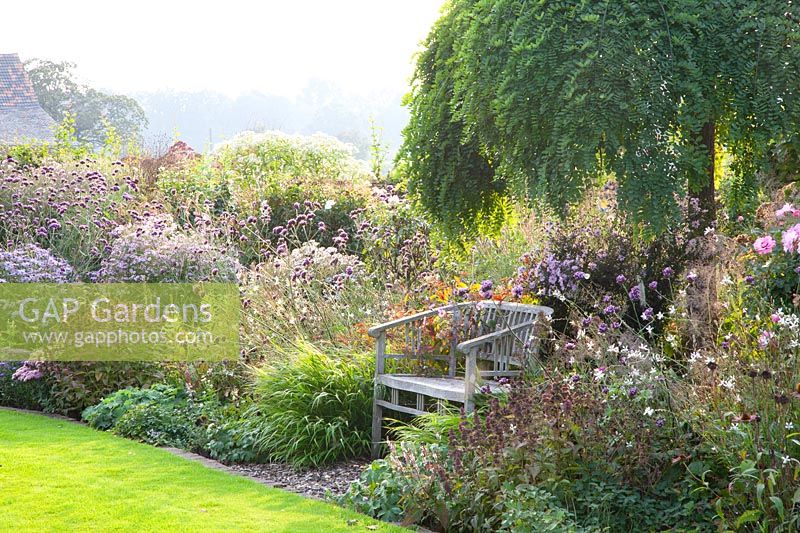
161 415
531 508
541 99
313 407
232 440
163 425
446 170
377 493
61 96
68 146
613 506
167 415
269 162
377 150
26 155
108 412
430 428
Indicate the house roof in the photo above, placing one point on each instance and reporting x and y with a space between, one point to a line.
22 119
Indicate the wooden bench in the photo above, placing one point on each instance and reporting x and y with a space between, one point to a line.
486 339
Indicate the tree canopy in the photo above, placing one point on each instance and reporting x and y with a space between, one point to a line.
542 99
93 111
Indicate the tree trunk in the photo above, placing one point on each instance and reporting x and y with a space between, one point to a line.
702 293
708 206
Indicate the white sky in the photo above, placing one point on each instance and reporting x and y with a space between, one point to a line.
234 46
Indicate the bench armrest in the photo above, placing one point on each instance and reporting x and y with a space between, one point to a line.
466 346
377 330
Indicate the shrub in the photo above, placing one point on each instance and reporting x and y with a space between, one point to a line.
166 415
271 161
314 408
376 493
21 386
592 259
530 508
603 505
25 155
156 250
233 439
162 415
74 386
256 185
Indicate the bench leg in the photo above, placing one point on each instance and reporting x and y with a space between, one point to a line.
470 381
377 423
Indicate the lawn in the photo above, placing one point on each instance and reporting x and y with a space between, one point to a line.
56 475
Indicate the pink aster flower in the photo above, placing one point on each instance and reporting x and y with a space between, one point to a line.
764 245
787 209
765 338
791 238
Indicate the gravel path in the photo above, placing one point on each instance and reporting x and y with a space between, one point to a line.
314 483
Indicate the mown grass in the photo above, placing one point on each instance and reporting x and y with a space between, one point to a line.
56 475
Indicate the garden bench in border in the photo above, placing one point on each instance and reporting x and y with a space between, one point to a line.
491 336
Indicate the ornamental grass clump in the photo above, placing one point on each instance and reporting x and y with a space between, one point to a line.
313 292
313 407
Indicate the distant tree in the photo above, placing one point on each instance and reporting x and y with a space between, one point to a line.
93 111
543 98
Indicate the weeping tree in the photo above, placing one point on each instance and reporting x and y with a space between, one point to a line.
542 99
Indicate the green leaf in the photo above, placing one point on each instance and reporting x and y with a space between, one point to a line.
778 504
748 517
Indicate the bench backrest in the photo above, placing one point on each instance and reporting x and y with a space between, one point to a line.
489 317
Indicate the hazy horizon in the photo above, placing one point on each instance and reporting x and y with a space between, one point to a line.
275 57
270 47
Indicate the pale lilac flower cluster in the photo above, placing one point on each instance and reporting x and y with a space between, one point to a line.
156 250
486 289
553 274
30 370
29 263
